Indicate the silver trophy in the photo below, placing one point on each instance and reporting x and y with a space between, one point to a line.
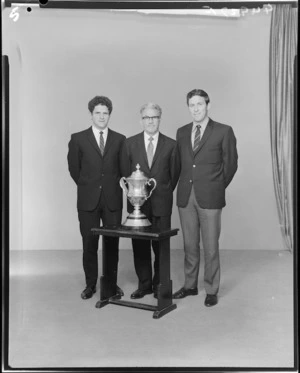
137 194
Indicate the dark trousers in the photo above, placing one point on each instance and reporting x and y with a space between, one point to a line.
91 219
142 254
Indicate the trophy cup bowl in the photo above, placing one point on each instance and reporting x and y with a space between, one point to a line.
135 189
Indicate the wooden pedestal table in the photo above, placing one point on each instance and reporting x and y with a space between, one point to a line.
164 290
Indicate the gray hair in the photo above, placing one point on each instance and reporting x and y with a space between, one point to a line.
151 105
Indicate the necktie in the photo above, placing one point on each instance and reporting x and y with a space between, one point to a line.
101 142
150 151
197 137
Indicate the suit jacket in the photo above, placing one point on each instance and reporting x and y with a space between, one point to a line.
210 169
164 169
93 173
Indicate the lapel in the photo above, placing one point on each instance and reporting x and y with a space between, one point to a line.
206 134
187 139
91 137
159 148
109 142
142 151
93 141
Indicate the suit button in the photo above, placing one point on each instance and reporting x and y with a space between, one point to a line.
191 181
100 187
194 165
102 174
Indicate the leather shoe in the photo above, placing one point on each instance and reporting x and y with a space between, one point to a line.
139 293
211 300
88 292
182 293
119 291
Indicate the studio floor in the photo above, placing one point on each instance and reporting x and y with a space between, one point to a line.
51 326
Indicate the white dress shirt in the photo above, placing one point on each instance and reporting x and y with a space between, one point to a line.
97 134
154 141
202 129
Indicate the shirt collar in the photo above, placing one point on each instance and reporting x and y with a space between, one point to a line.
98 130
203 125
147 137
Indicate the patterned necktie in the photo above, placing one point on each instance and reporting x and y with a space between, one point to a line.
197 137
101 142
150 151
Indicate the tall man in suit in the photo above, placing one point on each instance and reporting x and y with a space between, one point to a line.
157 156
95 162
208 156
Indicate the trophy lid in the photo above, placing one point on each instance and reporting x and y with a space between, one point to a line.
137 175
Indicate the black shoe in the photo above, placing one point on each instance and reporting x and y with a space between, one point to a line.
119 291
211 300
88 292
139 293
182 293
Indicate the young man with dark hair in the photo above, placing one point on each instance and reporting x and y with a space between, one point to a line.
95 161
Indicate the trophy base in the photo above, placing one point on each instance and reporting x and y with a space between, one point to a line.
136 221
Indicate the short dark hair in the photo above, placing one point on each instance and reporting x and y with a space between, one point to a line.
100 100
197 92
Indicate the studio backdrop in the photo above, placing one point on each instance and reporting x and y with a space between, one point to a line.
60 59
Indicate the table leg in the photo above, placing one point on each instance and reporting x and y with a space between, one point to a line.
108 280
164 290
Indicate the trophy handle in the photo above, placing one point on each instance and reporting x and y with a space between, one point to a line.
148 182
123 183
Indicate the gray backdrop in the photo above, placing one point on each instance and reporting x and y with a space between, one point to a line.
60 59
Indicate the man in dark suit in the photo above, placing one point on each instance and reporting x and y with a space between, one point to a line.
208 156
95 161
157 156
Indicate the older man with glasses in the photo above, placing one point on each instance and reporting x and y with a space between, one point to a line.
158 158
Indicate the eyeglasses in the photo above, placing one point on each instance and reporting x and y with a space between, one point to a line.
148 118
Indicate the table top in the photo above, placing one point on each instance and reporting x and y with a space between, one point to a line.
144 233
